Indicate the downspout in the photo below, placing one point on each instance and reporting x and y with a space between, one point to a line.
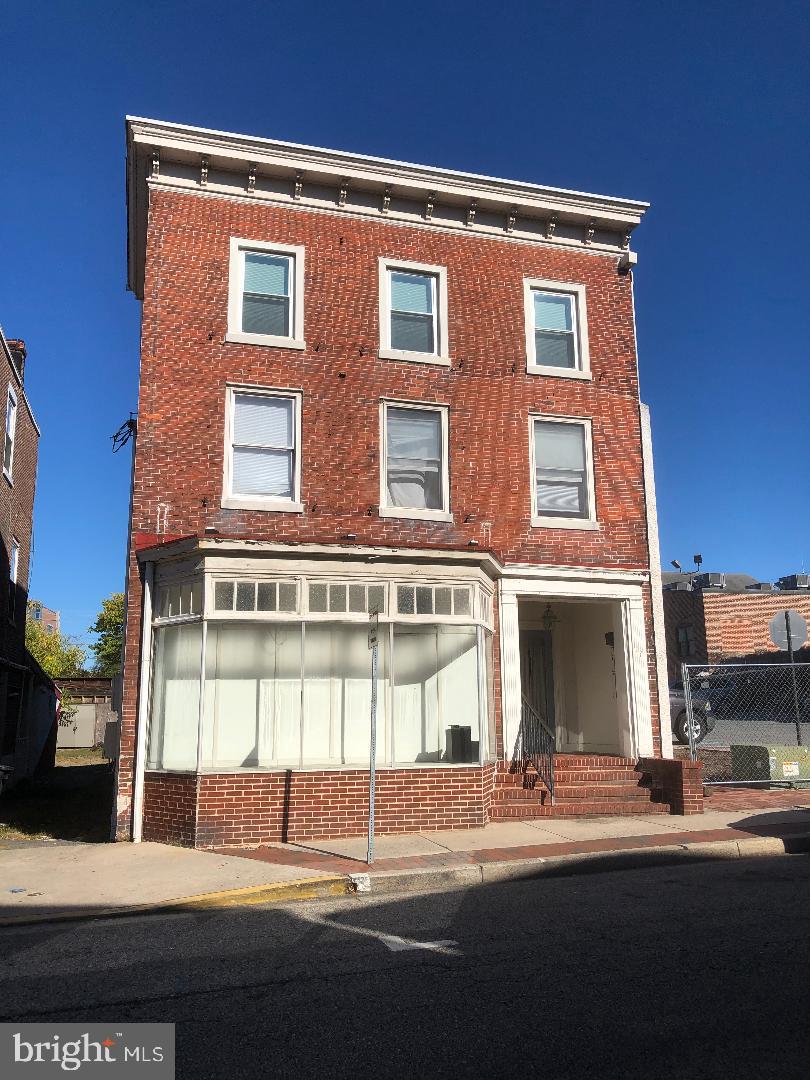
143 703
654 555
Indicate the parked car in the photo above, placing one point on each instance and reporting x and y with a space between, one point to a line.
703 717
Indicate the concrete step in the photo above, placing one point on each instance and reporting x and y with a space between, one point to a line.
618 792
513 810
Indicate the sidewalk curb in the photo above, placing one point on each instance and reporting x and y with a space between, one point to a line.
464 876
429 879
311 888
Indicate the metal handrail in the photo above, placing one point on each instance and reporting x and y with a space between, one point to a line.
536 744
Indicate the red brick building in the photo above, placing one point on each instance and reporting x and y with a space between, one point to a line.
719 618
367 385
27 701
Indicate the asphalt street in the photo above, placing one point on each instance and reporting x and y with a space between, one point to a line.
689 971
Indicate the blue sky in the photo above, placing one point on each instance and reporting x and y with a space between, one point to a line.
700 108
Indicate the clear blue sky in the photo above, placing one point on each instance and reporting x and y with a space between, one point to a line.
699 108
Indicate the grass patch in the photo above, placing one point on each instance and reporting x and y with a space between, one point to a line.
71 802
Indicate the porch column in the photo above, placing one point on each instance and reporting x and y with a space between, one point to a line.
510 672
637 738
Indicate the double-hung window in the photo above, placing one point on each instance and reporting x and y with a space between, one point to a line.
562 473
262 450
414 480
14 569
413 312
11 428
266 294
556 329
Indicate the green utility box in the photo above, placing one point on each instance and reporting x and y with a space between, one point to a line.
770 762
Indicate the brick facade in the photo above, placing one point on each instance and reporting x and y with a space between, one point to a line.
726 625
178 474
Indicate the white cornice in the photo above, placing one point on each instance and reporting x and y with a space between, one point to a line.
227 163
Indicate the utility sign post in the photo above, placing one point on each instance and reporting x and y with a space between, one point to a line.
373 644
789 632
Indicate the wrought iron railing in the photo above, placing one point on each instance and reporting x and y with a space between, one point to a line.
536 744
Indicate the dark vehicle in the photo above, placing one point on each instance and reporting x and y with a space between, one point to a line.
703 718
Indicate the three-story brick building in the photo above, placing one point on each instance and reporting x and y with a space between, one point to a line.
367 385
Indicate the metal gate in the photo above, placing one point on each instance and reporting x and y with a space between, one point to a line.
749 723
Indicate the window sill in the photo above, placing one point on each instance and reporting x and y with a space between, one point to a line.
565 523
415 515
265 339
328 767
414 357
557 373
245 502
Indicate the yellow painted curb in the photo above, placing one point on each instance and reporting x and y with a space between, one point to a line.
273 892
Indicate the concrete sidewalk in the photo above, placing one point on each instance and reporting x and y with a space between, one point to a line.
41 882
52 880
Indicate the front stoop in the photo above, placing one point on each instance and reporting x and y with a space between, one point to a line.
585 786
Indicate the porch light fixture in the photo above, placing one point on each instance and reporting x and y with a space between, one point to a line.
549 619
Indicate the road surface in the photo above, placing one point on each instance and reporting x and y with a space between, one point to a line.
698 970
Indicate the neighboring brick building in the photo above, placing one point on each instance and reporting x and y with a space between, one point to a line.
729 620
47 619
366 384
27 701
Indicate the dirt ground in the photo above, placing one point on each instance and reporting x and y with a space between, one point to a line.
71 802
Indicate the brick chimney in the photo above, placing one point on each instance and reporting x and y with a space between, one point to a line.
19 352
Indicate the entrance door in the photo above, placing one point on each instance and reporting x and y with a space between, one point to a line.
537 674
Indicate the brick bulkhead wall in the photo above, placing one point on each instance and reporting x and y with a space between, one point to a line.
186 364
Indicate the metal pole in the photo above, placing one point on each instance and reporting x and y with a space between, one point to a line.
372 757
793 678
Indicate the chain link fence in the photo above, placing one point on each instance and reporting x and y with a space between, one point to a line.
748 723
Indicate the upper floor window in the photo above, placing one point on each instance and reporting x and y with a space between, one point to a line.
556 329
11 428
686 641
262 450
413 312
562 473
266 294
14 567
414 474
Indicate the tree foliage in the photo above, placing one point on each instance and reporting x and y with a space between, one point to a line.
57 654
109 628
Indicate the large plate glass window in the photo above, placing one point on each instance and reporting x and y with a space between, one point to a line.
562 483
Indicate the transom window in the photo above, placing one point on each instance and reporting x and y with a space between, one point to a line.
266 294
180 599
556 329
11 428
434 600
262 450
413 312
414 478
248 596
341 596
562 479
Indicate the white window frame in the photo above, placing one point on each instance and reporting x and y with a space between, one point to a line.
236 286
14 572
542 521
444 514
439 275
582 370
231 501
10 432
